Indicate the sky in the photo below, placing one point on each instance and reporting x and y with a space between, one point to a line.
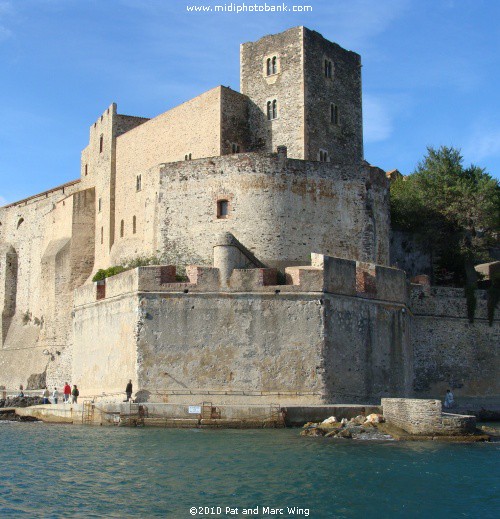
431 73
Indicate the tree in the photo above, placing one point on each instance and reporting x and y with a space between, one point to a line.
456 210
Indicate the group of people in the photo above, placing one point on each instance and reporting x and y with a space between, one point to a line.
67 393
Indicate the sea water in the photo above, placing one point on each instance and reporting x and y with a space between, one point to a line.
77 471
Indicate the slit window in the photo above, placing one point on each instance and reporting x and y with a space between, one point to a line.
334 114
235 148
274 65
268 67
101 143
134 225
99 205
138 183
323 156
86 169
102 235
328 69
222 208
122 228
20 222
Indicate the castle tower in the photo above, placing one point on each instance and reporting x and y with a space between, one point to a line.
305 93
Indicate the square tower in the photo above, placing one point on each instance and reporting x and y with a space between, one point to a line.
305 93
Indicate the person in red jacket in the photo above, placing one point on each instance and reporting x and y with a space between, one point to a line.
67 392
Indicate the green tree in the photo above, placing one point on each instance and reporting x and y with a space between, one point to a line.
455 209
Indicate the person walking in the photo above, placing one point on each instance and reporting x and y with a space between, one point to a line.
67 392
449 399
74 395
45 395
55 395
128 390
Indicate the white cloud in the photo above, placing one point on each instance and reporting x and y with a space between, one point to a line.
484 143
5 8
377 119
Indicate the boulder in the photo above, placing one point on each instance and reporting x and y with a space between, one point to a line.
312 431
375 418
358 420
344 433
332 419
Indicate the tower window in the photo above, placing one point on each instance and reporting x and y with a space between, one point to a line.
235 148
138 183
20 222
323 156
268 67
274 65
102 235
222 208
187 157
328 68
272 110
99 205
334 114
86 169
134 225
101 143
122 228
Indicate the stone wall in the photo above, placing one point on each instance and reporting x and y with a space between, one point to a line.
449 351
286 87
408 252
280 209
424 417
343 141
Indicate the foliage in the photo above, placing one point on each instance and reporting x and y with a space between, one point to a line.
111 271
455 209
139 261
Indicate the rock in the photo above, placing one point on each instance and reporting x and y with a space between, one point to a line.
312 431
359 420
332 419
344 433
375 418
344 421
309 424
490 430
331 434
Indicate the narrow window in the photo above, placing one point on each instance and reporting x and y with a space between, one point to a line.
334 114
20 222
101 143
185 157
134 225
190 156
99 205
275 109
274 65
122 228
102 235
86 169
235 148
323 156
328 68
268 67
269 112
222 208
138 183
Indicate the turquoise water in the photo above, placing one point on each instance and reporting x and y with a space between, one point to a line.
85 472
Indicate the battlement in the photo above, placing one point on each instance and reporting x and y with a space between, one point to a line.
325 274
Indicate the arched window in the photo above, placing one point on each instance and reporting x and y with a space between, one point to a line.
19 222
268 67
122 228
101 143
134 225
275 109
269 111
274 65
334 114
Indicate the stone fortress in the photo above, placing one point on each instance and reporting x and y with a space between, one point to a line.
275 282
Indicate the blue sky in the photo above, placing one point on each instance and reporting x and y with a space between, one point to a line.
431 73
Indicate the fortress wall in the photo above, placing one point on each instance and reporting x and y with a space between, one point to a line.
253 342
234 121
449 351
367 350
279 210
342 141
104 353
287 87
